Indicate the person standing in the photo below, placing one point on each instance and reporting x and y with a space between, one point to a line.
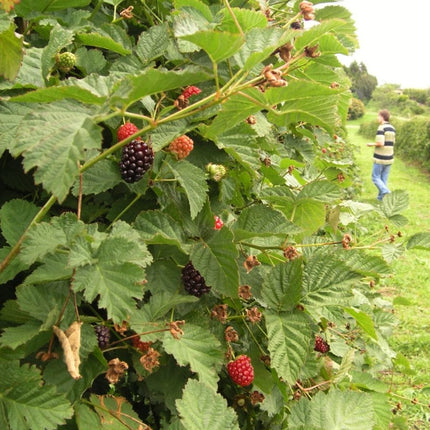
383 155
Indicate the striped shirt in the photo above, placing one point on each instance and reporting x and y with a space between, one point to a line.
386 134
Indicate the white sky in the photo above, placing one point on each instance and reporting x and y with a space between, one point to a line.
394 39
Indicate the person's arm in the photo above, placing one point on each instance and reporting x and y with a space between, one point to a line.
375 144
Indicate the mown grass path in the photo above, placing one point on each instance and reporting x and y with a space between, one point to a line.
411 281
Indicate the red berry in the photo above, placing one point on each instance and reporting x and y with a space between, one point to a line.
241 370
323 150
218 223
126 130
190 91
181 146
321 345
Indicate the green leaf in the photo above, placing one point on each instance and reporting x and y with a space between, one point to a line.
193 181
419 241
336 410
392 251
261 221
165 133
152 43
368 265
54 141
11 53
49 5
244 20
13 337
158 227
202 408
289 337
345 367
308 214
323 191
15 217
283 286
27 403
307 102
395 202
326 281
100 177
153 81
237 108
215 259
102 41
198 348
218 45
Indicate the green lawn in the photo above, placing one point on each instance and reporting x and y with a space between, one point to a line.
409 288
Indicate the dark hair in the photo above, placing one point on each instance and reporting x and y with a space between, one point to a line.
385 114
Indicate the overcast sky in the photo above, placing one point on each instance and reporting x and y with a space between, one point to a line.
394 38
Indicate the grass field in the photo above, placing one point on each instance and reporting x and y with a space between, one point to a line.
409 288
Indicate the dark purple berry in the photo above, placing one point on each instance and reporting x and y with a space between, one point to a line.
137 157
194 283
321 345
103 335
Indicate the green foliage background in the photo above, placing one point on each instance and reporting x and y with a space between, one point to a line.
78 243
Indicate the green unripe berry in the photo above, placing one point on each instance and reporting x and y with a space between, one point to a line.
65 61
216 171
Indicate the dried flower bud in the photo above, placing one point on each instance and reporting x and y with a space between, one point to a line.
116 370
291 253
253 314
311 51
256 397
245 292
175 330
251 120
334 85
121 329
250 263
340 177
127 13
150 360
265 359
181 102
285 51
347 239
230 334
219 312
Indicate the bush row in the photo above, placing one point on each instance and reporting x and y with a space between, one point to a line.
412 140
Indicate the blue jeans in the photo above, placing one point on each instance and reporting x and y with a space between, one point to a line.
380 177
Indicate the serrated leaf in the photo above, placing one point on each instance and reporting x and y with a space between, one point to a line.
323 191
54 141
165 133
13 337
395 202
26 403
11 53
152 43
392 251
261 221
370 265
159 227
202 408
193 181
29 74
419 241
102 41
215 259
100 177
345 367
54 267
283 285
336 410
289 337
15 217
13 268
236 20
308 102
49 5
326 281
200 349
237 108
90 61
218 45
153 81
308 214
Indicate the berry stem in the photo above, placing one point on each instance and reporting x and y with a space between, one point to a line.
138 196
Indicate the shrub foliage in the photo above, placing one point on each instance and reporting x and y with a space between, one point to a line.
287 260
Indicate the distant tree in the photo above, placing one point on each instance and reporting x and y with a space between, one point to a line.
363 84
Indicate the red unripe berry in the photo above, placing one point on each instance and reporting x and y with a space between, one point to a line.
181 146
126 130
323 150
218 222
241 370
190 91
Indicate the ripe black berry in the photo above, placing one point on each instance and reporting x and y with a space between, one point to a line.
137 157
321 345
103 335
194 283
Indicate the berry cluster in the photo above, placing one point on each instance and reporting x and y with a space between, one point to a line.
194 283
126 130
137 157
218 223
321 345
190 91
103 335
181 146
241 370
